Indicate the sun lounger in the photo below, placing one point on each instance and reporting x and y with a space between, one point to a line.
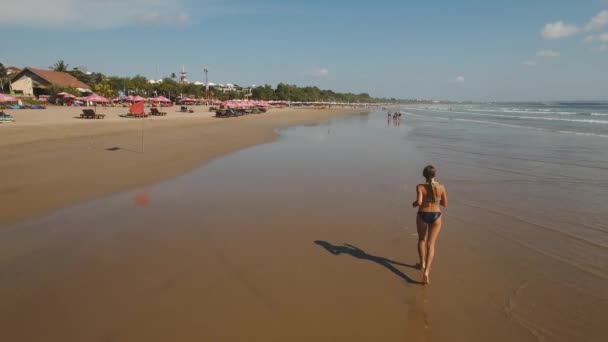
90 114
224 113
6 117
156 112
234 112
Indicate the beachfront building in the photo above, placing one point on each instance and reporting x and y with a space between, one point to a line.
34 82
11 70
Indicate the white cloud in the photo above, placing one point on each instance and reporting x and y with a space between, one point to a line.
597 22
460 79
559 30
92 14
320 72
530 62
597 38
547 53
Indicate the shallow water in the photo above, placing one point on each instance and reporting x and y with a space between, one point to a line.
580 118
312 236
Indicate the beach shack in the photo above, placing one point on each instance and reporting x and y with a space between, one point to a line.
35 82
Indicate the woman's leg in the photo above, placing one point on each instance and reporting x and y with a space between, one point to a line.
434 230
422 228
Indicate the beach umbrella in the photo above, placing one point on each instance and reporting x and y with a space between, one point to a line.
160 99
96 99
6 98
129 98
137 98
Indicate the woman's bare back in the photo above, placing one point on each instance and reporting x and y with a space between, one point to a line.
428 202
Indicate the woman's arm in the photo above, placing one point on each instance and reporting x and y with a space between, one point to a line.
444 198
418 201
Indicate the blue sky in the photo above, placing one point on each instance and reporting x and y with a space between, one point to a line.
460 50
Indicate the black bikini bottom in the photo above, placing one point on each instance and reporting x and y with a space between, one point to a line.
429 217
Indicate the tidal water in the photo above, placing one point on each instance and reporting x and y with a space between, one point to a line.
583 118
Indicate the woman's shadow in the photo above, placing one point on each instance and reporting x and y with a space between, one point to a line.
360 254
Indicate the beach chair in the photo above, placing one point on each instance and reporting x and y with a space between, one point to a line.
232 113
6 117
90 114
137 110
156 112
226 113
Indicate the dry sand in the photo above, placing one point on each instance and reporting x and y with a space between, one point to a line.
51 158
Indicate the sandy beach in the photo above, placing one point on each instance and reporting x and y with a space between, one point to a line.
51 158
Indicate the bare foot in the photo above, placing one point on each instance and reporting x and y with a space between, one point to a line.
420 266
425 278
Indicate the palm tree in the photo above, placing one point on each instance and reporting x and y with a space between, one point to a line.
2 76
104 89
60 66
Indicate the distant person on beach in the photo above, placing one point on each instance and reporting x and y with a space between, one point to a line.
430 196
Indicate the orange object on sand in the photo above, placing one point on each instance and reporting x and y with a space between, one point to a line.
137 108
142 199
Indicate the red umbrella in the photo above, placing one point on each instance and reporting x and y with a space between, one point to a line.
95 98
6 98
137 98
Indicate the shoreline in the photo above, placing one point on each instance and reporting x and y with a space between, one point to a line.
53 162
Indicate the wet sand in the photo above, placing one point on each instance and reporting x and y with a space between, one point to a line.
312 237
50 159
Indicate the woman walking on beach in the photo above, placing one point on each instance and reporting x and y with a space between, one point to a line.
430 196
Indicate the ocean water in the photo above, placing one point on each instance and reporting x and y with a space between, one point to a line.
566 117
233 250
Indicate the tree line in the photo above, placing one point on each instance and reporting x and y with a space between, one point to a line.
111 86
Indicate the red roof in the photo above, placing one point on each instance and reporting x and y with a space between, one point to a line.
56 77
